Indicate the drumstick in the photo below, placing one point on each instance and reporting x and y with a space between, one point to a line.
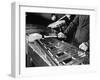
62 17
49 36
58 21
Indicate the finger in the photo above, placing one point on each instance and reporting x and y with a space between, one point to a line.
82 54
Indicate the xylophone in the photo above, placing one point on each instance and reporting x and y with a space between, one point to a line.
57 53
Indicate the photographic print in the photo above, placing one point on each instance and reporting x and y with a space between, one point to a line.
52 40
56 39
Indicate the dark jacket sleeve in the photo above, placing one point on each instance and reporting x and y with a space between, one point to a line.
73 25
82 33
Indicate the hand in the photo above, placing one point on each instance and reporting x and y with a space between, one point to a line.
33 37
81 54
84 46
61 35
56 24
